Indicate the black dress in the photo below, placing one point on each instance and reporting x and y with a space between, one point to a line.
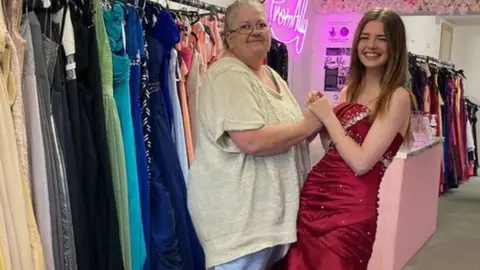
277 58
93 203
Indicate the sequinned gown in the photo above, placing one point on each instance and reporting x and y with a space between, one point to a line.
338 210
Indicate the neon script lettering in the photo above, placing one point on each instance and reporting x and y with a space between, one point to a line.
289 23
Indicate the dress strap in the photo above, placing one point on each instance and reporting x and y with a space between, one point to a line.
8 76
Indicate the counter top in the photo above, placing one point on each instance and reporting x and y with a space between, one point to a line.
406 153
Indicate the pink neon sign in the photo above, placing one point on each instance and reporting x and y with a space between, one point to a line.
289 23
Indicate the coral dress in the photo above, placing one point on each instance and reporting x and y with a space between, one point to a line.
338 213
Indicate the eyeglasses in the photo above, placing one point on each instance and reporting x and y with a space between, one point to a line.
246 29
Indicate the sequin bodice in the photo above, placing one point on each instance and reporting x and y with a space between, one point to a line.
356 114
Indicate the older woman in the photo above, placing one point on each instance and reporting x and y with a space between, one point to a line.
251 155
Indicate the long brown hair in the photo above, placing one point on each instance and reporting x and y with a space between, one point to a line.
395 74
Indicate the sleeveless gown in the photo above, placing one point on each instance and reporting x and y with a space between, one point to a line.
337 219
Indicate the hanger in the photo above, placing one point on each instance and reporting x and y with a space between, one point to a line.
107 4
139 6
123 4
136 3
212 12
156 4
193 16
75 5
471 101
197 19
460 72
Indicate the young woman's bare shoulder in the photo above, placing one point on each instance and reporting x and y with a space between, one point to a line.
401 98
343 94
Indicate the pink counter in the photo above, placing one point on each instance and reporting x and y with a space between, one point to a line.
408 207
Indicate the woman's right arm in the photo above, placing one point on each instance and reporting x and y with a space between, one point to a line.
238 122
275 139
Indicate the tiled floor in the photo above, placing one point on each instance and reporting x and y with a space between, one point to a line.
456 243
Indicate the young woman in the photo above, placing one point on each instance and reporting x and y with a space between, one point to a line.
338 205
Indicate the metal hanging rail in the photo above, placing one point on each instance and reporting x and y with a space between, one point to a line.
201 5
432 60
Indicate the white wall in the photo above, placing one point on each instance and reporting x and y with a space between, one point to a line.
306 69
466 56
423 34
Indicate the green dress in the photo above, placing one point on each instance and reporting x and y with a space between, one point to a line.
114 135
121 87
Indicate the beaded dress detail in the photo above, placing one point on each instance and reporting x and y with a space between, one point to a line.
338 209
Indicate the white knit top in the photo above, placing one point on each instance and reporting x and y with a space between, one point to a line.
241 204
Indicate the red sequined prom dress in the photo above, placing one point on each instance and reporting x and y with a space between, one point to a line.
338 209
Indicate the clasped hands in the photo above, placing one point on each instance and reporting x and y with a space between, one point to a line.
318 109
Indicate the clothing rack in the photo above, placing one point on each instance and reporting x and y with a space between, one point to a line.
472 101
432 60
201 5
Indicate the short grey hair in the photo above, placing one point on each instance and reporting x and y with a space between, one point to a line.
232 12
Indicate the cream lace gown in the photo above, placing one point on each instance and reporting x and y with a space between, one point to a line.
18 230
